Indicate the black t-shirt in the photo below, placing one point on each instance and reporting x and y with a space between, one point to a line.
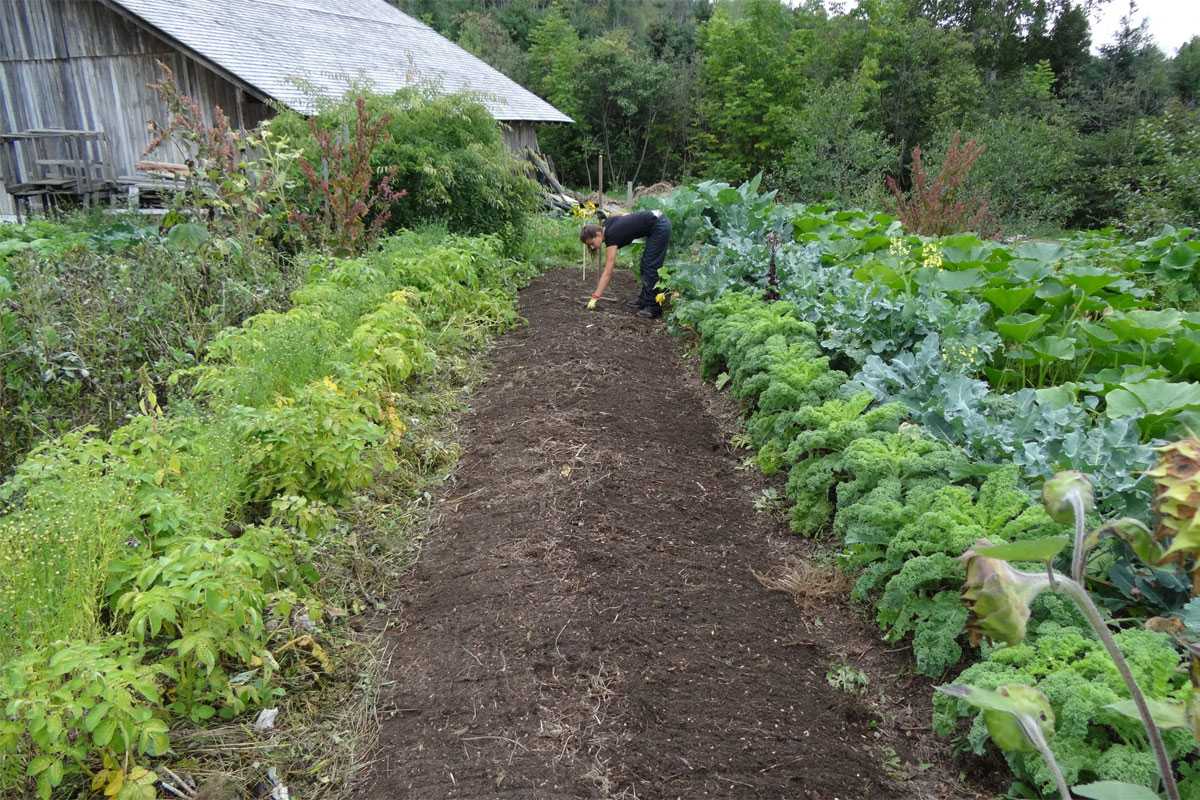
624 229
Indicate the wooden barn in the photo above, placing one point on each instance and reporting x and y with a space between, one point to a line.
74 76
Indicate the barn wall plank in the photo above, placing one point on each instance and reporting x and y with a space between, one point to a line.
82 65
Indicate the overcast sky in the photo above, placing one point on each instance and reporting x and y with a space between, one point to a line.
1172 22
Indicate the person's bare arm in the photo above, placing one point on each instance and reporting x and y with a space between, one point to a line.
609 263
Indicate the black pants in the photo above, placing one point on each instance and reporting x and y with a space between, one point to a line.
652 258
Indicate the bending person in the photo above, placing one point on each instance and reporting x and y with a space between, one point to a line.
619 231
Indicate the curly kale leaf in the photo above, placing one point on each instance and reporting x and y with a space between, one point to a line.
936 621
736 323
1091 742
795 379
904 455
891 479
936 631
925 539
819 437
782 374
867 526
896 608
1189 784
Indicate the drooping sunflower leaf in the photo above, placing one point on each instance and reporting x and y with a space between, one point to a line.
1114 790
1042 549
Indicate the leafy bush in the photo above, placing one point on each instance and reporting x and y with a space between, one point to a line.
1159 187
85 331
93 232
1031 154
698 213
1026 170
834 157
445 151
322 443
58 535
186 540
68 700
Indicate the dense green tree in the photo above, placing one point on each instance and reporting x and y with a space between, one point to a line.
929 80
623 101
746 88
621 98
483 35
1008 35
1129 80
441 15
1185 72
1069 47
555 59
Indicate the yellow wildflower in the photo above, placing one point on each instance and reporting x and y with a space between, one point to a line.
931 255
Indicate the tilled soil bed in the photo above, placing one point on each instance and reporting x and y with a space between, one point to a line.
590 616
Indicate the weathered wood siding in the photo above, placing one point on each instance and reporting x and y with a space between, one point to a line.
79 64
519 135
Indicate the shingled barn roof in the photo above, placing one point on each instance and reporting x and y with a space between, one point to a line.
288 50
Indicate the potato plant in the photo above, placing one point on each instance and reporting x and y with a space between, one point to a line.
165 575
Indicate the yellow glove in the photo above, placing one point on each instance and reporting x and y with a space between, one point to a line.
592 304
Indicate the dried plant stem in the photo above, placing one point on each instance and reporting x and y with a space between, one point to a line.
1078 552
1083 600
1033 733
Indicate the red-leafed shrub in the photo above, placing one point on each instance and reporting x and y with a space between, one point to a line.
349 207
943 204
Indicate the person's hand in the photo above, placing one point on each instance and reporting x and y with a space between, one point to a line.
592 303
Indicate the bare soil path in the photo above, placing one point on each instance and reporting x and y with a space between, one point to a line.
584 621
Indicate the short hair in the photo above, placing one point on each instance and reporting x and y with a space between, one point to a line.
589 231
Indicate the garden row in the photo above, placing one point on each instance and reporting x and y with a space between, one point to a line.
917 392
167 573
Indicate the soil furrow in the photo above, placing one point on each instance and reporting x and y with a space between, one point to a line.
585 621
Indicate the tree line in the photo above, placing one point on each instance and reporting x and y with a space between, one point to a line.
829 100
